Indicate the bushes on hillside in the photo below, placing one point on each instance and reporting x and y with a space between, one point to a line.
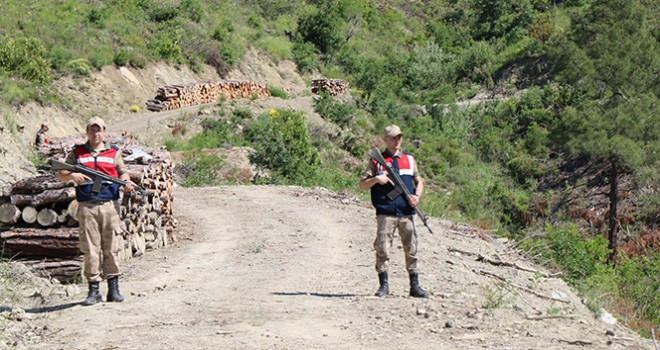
284 147
26 58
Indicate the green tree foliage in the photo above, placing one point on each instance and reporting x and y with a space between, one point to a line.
500 18
477 63
578 257
638 282
429 67
617 123
339 113
284 147
26 58
324 30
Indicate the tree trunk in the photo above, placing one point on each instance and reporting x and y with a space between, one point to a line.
613 222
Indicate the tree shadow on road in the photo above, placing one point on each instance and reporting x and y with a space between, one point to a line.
43 309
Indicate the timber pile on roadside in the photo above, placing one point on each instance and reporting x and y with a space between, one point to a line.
38 215
333 87
184 95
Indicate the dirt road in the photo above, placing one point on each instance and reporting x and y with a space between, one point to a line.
291 268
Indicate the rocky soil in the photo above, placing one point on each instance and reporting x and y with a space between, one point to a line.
264 267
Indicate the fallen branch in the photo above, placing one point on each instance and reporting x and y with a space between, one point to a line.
483 272
456 250
537 318
575 342
497 262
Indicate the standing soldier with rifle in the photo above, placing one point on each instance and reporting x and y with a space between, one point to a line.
97 210
395 197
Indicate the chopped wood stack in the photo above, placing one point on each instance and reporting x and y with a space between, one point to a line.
185 95
333 87
38 215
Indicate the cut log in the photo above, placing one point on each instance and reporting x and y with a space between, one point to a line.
30 242
45 197
9 213
139 244
38 184
29 215
47 217
63 270
72 209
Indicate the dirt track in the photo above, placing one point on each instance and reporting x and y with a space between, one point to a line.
291 268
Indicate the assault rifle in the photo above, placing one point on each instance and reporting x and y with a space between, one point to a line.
97 177
399 187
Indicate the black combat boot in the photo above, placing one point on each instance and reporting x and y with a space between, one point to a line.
113 290
384 286
93 295
415 290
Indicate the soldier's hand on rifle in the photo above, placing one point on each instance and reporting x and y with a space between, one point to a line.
382 179
78 178
414 200
128 187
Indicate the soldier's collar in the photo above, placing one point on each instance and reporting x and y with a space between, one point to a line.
106 146
397 155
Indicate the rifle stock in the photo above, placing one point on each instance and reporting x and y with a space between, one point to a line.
96 176
399 187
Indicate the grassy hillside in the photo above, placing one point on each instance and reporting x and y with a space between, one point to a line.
563 156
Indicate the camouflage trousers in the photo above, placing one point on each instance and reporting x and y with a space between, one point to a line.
100 239
385 235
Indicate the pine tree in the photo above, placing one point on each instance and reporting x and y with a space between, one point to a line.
614 63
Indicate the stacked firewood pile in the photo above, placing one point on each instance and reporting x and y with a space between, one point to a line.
38 215
333 87
185 95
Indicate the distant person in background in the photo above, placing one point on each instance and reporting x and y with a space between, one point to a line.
21 133
42 136
397 213
97 213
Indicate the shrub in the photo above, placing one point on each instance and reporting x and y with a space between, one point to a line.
429 66
193 9
163 13
80 66
638 282
278 92
204 170
477 63
101 57
334 111
304 54
60 56
323 29
232 51
454 123
283 145
25 57
166 48
122 58
580 258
